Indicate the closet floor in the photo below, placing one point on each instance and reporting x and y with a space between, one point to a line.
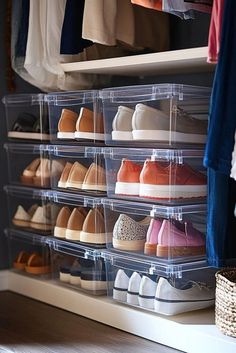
29 326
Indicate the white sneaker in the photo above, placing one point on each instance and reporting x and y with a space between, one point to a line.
171 301
133 288
120 286
147 292
153 124
122 124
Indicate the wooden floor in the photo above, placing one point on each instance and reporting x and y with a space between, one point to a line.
28 326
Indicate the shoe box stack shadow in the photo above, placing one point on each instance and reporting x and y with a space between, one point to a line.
107 193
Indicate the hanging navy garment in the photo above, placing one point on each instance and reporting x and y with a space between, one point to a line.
221 223
222 124
71 35
21 20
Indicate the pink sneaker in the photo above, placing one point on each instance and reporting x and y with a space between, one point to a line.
179 239
150 246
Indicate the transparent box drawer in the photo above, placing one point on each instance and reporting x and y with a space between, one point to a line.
30 210
27 117
164 233
83 172
163 290
76 117
78 267
156 115
28 253
29 165
80 219
157 175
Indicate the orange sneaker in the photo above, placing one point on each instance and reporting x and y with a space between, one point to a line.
66 124
128 178
159 180
89 125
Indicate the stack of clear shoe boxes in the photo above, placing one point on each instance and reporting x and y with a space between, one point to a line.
55 187
127 192
30 219
157 188
77 134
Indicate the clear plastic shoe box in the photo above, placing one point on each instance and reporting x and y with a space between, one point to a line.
165 234
29 254
83 172
171 290
80 219
156 115
29 165
76 117
162 176
30 210
27 117
78 267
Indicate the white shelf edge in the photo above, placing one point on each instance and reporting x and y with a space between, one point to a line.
193 332
4 283
183 60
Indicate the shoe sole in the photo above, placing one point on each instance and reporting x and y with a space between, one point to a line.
64 277
66 135
38 270
41 226
128 189
75 280
172 191
61 184
89 135
169 251
19 265
130 245
98 287
95 238
166 307
132 298
73 185
28 135
21 223
147 303
94 187
59 232
168 136
150 249
122 135
73 234
120 294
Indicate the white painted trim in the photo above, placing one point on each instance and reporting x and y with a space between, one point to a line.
184 60
4 280
192 332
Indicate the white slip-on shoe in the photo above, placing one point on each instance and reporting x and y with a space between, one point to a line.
193 296
147 292
122 124
128 234
120 286
153 124
133 289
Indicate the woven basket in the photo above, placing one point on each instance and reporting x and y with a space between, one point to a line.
225 312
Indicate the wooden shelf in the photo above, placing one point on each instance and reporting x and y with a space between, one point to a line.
169 62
